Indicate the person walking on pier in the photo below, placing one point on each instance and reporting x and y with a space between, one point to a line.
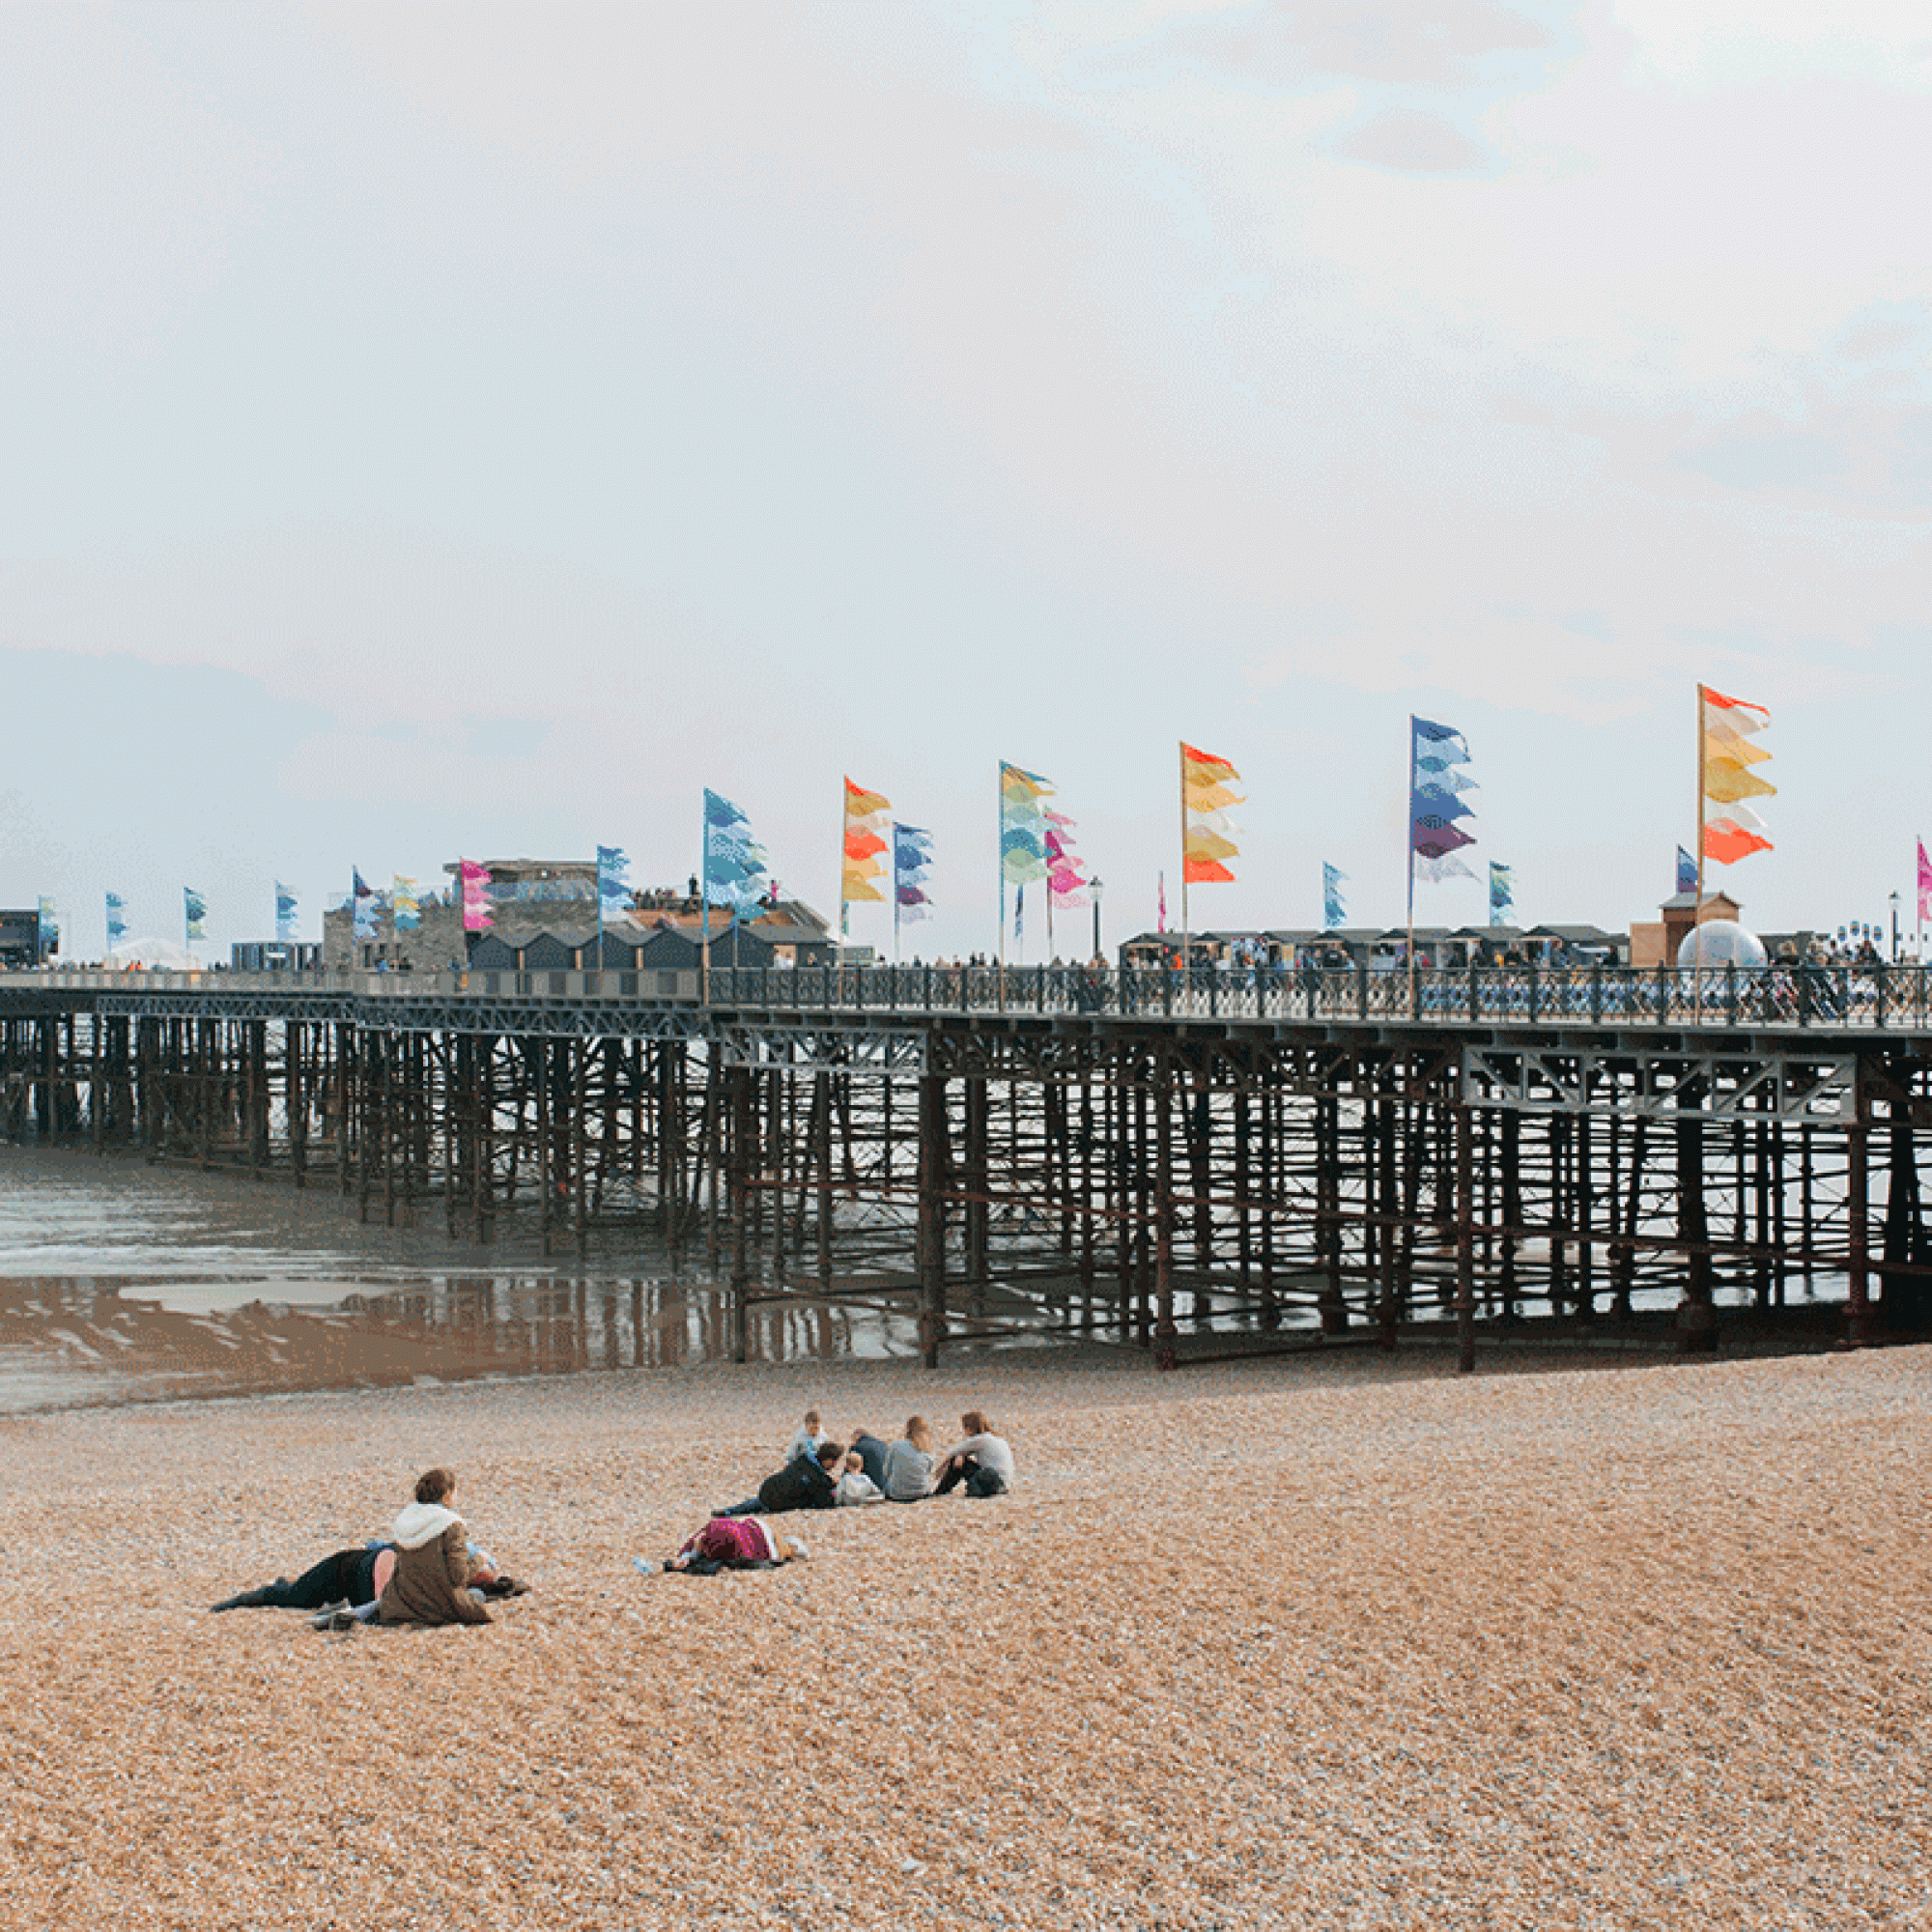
984 1461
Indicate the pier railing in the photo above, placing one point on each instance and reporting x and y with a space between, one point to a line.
1805 996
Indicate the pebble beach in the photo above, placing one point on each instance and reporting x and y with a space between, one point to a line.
1332 1642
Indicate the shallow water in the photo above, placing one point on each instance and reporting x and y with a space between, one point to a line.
121 1282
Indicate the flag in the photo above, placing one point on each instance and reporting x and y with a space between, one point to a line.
613 890
1064 877
194 909
912 861
1160 900
863 866
1925 885
405 903
362 904
1502 893
1436 800
1207 791
1019 912
47 917
1332 913
734 862
285 913
1726 728
1687 871
1022 825
117 919
475 880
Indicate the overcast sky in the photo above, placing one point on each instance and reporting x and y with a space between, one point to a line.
433 430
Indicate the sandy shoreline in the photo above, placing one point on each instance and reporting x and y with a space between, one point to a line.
1338 1642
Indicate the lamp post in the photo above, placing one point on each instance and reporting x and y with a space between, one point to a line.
1095 887
1894 928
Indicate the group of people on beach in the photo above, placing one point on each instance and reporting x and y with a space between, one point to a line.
821 1473
428 1570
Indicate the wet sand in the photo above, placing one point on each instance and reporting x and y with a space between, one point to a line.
1339 1642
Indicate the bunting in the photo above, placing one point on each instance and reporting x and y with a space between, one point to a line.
912 862
1332 913
117 919
1502 893
1207 791
734 862
285 914
864 865
475 882
405 904
194 909
1726 728
1435 802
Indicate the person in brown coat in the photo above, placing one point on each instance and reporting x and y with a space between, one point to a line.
432 1577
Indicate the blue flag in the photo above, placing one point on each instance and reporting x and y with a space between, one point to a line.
117 919
1332 911
1687 871
285 913
195 909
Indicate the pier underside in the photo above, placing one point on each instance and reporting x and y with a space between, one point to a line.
1180 1186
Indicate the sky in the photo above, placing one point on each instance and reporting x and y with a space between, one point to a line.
434 431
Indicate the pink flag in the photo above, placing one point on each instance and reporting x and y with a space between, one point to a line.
1161 889
476 880
1925 885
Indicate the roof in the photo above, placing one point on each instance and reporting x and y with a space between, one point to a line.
1683 901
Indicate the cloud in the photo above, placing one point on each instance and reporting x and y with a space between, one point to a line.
1414 143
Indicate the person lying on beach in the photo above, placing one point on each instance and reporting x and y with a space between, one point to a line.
346 1577
430 1583
983 1462
733 1543
806 1482
908 1477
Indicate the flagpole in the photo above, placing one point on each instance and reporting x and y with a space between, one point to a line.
1698 905
704 911
1412 741
1186 960
1000 846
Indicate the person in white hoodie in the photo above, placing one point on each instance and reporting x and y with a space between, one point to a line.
433 1574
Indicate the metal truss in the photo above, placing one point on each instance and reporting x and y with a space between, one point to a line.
1663 1084
817 1048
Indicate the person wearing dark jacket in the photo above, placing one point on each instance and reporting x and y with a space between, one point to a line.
805 1482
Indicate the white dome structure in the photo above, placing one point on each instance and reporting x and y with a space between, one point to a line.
1721 941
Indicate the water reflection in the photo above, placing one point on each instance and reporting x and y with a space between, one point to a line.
120 1282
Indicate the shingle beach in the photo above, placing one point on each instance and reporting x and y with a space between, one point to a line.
1333 1643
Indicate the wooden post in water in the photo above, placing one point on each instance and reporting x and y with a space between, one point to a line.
931 1240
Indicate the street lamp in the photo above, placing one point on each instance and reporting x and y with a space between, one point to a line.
1894 928
1095 887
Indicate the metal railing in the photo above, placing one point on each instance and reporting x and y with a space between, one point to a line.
1806 996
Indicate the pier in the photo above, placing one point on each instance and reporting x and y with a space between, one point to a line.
1186 1163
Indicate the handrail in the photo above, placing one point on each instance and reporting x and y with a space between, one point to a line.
1811 996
